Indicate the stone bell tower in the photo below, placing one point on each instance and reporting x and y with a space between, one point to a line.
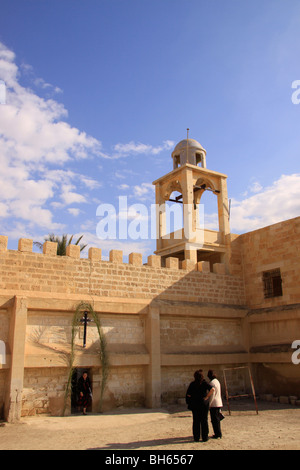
188 181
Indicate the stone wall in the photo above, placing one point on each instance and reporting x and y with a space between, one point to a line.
276 246
188 334
273 323
47 273
41 385
160 323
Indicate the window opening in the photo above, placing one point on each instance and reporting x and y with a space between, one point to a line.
272 283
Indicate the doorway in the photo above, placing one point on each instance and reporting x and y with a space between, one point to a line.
77 373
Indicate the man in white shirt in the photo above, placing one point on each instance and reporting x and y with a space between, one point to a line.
215 405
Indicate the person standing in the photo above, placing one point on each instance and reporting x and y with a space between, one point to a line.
85 392
197 399
215 405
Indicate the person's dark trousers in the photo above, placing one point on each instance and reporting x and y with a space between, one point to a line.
215 421
200 423
196 425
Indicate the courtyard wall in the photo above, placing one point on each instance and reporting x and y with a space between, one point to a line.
160 323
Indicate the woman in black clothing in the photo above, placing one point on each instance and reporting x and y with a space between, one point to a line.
85 392
197 397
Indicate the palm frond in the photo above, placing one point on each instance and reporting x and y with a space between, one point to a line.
62 243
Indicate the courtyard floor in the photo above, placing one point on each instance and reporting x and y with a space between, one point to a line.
276 427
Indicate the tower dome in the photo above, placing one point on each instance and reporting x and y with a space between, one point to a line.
189 151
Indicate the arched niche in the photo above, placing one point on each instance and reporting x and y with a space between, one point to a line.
173 187
206 203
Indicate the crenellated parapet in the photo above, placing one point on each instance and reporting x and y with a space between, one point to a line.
25 245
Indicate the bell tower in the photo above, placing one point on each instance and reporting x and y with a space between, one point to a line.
188 180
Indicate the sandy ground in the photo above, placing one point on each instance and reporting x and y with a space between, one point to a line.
276 427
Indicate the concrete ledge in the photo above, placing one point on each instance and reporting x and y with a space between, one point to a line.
85 360
203 359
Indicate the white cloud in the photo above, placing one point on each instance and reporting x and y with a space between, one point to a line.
132 147
70 197
124 174
143 191
138 148
256 187
90 182
35 141
74 211
3 210
267 206
38 81
278 202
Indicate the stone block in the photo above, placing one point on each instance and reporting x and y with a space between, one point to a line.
136 259
3 243
181 401
172 263
219 268
154 261
95 254
292 400
73 251
116 256
203 266
50 248
189 265
56 406
25 244
284 400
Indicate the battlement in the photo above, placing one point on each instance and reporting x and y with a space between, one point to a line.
25 245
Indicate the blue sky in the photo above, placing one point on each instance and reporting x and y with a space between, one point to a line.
99 92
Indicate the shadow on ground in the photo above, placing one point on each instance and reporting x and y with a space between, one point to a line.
149 443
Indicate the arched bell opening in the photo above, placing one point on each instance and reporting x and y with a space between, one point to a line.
170 212
206 204
174 212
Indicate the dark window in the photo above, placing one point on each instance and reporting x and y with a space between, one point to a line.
272 283
177 161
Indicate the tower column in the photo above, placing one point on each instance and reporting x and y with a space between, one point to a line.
189 214
223 209
160 216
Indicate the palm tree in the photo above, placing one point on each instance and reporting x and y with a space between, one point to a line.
62 243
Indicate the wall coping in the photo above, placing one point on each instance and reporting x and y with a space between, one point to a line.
25 245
